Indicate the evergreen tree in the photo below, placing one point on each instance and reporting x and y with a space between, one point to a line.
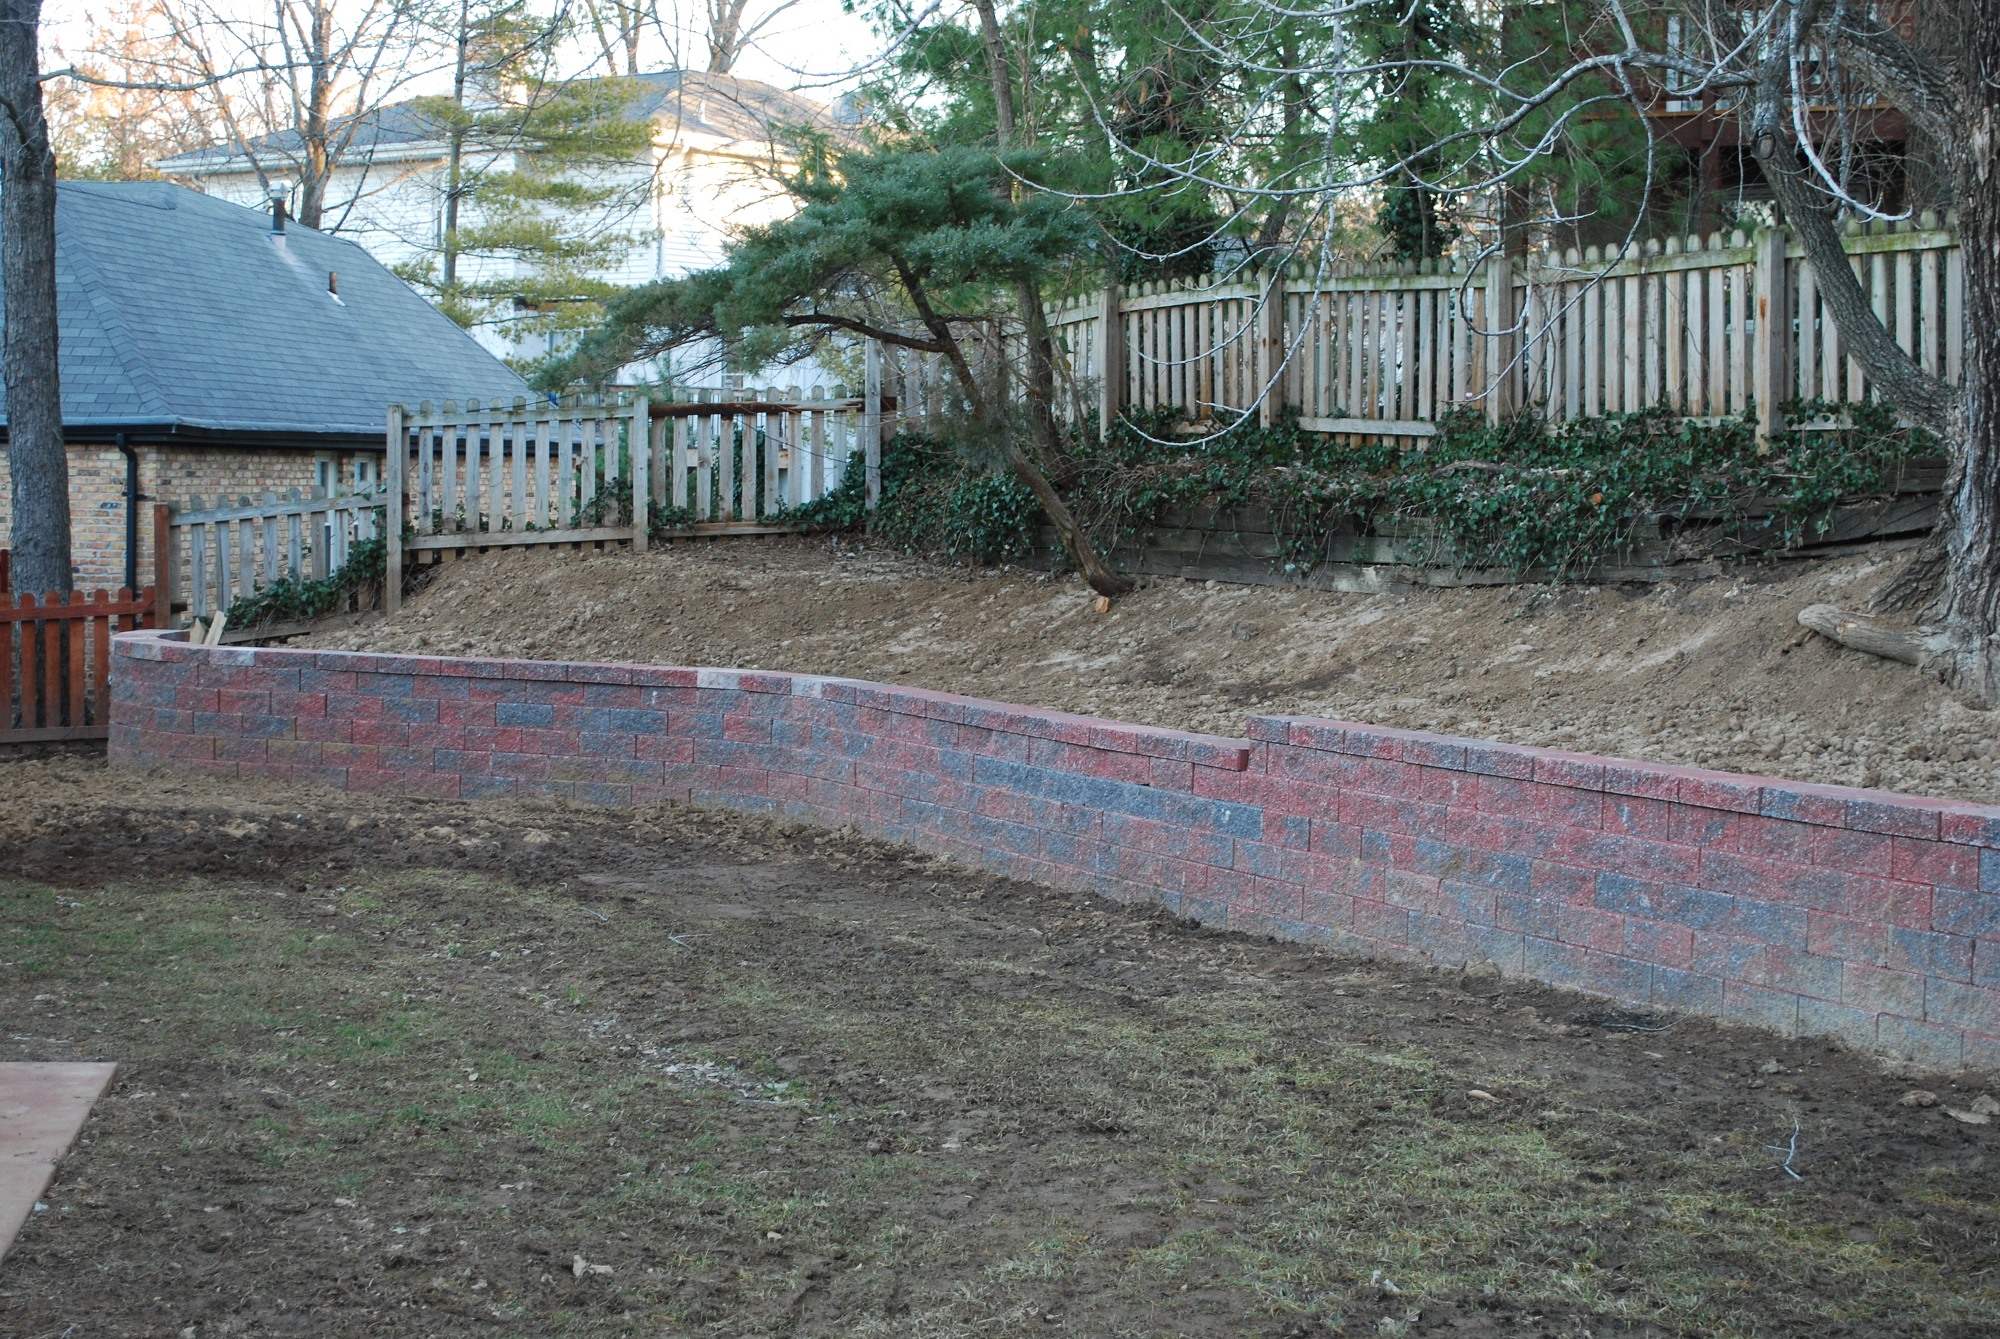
918 248
537 190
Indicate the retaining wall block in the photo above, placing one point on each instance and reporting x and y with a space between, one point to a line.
1815 910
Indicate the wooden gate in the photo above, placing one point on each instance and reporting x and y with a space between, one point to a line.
212 556
478 476
55 662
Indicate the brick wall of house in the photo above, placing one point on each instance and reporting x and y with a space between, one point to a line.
174 474
1819 910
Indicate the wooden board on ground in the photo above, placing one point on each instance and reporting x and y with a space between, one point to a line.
42 1106
726 529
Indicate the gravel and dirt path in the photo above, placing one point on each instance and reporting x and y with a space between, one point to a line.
403 1068
1715 673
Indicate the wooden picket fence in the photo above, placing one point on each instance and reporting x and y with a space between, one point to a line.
55 661
735 460
212 555
1707 327
470 476
589 470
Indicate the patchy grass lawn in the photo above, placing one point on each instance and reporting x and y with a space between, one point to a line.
419 1069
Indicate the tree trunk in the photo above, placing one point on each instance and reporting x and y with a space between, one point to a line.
1041 356
35 452
317 129
725 23
1048 442
455 159
1094 569
1961 651
996 71
1970 606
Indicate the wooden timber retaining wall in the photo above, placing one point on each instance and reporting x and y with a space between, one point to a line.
1248 545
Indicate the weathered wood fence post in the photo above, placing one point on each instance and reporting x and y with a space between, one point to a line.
639 446
1271 349
1500 377
1110 357
1773 343
871 421
392 516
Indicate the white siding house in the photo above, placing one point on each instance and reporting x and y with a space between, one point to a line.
710 170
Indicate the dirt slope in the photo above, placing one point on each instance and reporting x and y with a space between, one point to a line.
1709 672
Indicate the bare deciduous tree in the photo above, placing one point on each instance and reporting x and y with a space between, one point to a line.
733 25
291 91
619 26
114 120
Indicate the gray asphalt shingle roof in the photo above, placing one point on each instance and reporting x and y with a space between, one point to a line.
178 311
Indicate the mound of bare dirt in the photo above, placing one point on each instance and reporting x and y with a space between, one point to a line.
1712 672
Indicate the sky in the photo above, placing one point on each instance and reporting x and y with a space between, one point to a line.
812 46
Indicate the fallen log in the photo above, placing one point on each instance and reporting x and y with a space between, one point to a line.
1911 648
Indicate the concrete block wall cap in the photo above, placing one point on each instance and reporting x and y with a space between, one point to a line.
1270 729
1436 751
1042 723
598 672
1721 790
366 662
353 662
1371 741
1918 816
1638 780
1806 802
815 685
1229 755
1580 771
1969 824
138 646
663 676
481 667
460 667
745 681
280 658
1505 760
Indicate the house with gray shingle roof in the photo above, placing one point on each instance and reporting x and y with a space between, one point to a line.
718 146
228 358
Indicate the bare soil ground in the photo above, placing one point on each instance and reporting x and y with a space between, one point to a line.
1716 673
402 1068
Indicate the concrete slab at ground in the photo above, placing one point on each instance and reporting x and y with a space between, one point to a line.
41 1109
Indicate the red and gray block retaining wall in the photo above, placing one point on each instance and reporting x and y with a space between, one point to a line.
1816 910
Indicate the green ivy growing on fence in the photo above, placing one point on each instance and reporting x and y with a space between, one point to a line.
295 599
1518 495
933 501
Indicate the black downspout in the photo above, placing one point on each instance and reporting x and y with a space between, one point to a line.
133 497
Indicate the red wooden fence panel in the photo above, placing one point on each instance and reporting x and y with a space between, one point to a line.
55 661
